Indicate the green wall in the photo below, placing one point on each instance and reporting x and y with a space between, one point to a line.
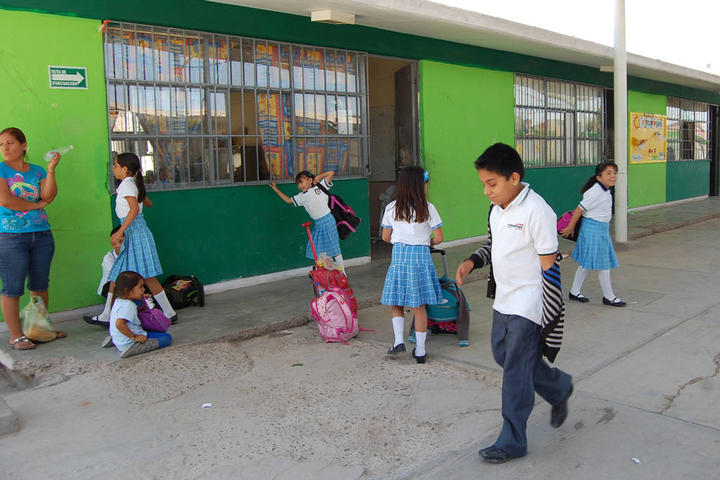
463 110
559 186
646 182
687 179
53 118
225 233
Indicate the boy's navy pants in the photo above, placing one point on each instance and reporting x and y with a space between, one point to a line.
516 347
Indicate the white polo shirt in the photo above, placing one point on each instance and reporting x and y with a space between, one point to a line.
411 233
521 232
314 200
127 188
597 203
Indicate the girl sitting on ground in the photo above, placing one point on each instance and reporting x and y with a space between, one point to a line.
126 331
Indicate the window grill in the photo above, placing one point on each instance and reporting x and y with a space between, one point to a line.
202 109
688 130
558 123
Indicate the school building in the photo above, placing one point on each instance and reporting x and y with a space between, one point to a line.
219 99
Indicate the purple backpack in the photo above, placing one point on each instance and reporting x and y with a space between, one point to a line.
152 319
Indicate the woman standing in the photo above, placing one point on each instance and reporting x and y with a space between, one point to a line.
26 243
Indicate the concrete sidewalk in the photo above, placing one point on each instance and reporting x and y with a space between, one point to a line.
261 309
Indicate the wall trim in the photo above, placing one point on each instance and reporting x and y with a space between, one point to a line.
668 204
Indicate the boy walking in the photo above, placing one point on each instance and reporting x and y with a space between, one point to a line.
521 246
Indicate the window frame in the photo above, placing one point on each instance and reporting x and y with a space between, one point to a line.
683 116
212 73
550 104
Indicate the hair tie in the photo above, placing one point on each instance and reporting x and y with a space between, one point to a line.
426 176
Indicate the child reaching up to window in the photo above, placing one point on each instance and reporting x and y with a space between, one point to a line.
324 232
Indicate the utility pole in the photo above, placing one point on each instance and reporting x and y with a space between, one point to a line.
621 124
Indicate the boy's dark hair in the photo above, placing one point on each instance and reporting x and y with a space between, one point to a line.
302 174
502 159
599 169
115 229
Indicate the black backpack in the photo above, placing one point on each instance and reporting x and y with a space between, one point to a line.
345 217
184 291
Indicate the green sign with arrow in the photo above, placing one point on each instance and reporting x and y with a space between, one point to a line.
68 77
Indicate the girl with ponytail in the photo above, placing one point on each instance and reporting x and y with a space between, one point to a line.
138 253
594 250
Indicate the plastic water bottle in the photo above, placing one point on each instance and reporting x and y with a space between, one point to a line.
61 151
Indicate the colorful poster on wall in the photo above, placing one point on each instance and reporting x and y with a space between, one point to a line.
648 138
274 123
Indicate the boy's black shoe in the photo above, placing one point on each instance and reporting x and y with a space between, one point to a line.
578 298
399 348
495 455
559 412
419 359
615 302
173 319
95 321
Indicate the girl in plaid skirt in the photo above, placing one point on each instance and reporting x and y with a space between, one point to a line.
594 250
138 253
411 224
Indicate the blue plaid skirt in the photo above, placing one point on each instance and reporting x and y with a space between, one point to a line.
138 252
594 249
325 236
411 280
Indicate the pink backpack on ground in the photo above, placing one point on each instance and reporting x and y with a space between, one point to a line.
335 319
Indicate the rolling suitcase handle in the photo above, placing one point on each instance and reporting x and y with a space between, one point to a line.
312 244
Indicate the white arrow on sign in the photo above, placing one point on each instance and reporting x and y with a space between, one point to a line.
62 77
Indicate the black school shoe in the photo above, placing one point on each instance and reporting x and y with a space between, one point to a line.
615 302
173 319
399 348
494 454
94 321
419 359
578 298
559 412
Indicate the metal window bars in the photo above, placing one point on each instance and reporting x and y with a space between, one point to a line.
558 123
203 109
688 130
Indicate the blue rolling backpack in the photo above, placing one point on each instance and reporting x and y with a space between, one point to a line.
450 316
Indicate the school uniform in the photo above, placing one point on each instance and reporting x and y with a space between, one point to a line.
138 252
521 232
411 280
324 233
594 249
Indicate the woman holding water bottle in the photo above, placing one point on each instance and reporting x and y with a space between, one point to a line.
26 243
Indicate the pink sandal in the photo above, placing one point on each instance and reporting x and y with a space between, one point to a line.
22 343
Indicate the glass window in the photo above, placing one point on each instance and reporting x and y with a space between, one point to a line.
688 130
204 109
557 122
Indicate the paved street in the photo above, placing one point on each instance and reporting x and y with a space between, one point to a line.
286 406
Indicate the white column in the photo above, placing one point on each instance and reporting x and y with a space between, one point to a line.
621 124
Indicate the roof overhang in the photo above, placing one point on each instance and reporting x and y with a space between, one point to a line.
433 20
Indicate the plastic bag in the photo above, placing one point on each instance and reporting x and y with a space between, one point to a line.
35 321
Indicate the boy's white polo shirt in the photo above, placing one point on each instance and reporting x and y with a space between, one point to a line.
521 232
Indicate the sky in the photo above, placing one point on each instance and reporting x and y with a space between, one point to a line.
675 31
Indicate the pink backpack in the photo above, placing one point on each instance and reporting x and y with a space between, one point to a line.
332 312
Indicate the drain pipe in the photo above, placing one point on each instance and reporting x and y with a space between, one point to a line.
621 124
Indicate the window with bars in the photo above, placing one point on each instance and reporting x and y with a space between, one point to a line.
202 109
558 123
688 130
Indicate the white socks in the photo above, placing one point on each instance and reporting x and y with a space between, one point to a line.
604 277
399 330
580 277
420 343
164 304
105 315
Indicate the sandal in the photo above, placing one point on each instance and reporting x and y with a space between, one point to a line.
22 343
60 334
